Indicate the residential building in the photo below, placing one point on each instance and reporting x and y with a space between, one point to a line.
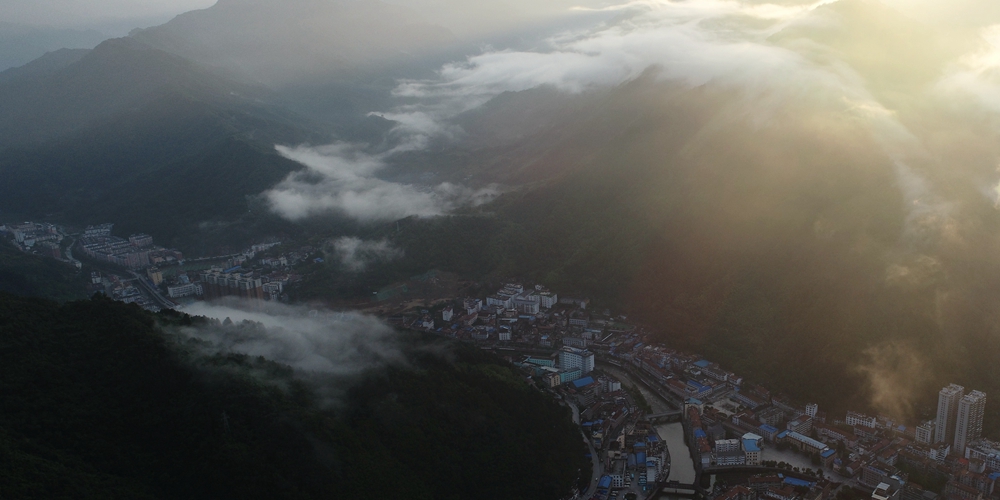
140 240
872 475
155 275
218 283
723 445
925 432
969 421
803 443
812 409
802 425
985 450
855 419
738 493
751 451
947 413
183 290
570 357
548 299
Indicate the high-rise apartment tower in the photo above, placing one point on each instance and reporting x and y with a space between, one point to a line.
969 424
947 412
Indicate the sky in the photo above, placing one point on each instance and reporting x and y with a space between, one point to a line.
114 17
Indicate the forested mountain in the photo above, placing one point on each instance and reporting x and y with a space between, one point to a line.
824 177
755 222
101 400
132 134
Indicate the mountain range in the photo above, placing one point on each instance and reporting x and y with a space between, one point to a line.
822 184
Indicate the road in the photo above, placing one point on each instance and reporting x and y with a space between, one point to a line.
69 253
153 291
595 461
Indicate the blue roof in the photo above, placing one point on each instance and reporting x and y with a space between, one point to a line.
699 433
828 453
768 428
232 269
639 444
583 382
652 439
640 457
750 445
995 475
783 434
605 482
797 482
697 385
703 363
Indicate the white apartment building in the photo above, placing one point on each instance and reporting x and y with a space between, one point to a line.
925 432
570 358
947 412
969 424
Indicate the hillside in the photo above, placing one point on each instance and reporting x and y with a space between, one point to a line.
101 401
36 276
758 225
131 134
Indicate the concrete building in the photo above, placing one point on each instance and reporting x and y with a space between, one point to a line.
751 451
969 421
947 413
855 419
570 357
812 409
724 445
985 450
218 283
140 240
183 290
155 275
802 425
548 299
925 432
803 443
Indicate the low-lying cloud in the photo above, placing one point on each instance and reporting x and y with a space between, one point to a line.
341 179
355 254
311 341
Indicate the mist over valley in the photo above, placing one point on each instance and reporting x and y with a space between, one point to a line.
805 194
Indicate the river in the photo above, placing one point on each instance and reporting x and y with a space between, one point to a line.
681 466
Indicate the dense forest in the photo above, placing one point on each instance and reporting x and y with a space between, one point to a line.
32 275
104 400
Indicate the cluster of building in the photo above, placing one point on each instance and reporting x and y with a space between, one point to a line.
136 252
778 487
519 317
728 421
34 237
565 365
245 275
121 289
625 442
